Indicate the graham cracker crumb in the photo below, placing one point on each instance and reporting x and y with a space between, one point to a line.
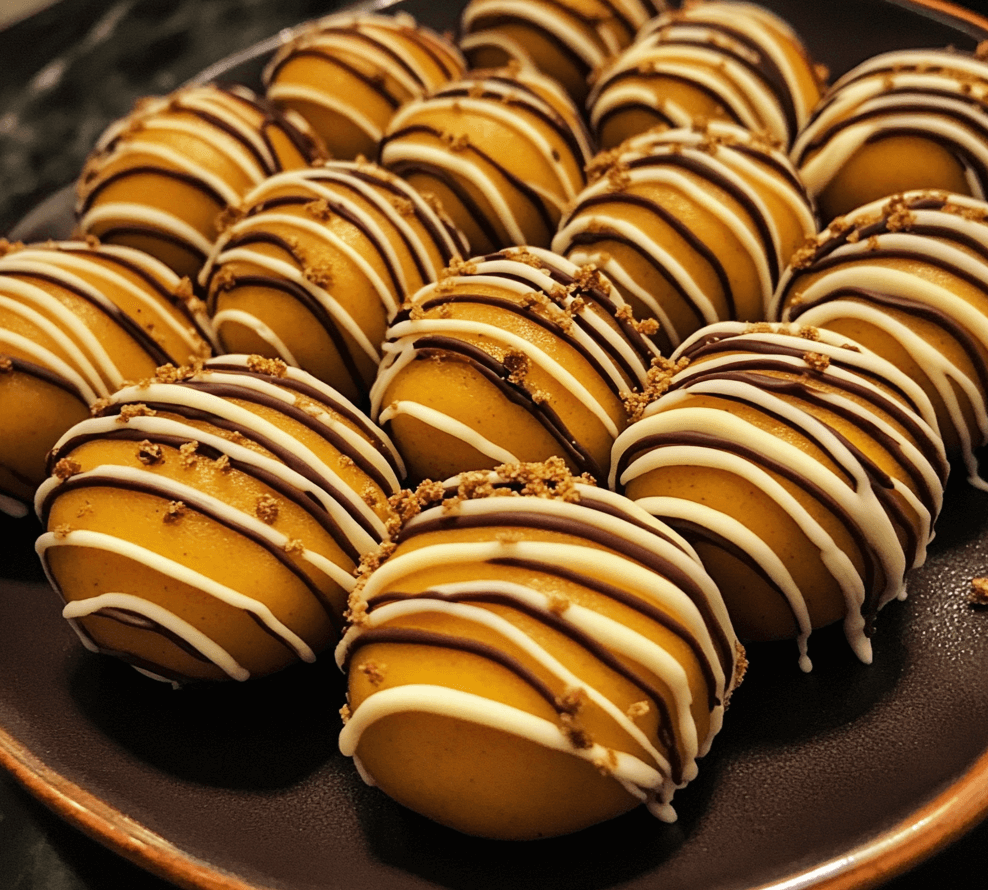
638 709
62 531
373 670
174 512
266 509
345 714
569 705
273 367
150 453
817 361
6 364
187 454
294 546
129 412
66 468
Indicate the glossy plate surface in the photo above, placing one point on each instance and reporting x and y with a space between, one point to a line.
836 779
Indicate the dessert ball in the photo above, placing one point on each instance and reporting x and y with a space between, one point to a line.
205 524
159 178
806 471
908 277
348 73
567 40
77 320
693 225
903 120
503 150
318 261
516 356
534 656
707 61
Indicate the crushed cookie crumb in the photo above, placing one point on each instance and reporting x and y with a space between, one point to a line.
638 709
516 364
606 764
817 361
6 364
345 714
150 453
174 512
294 546
66 468
657 381
224 280
266 509
222 463
62 531
273 367
319 209
558 603
373 670
187 454
569 705
129 412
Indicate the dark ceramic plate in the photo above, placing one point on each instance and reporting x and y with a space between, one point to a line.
836 779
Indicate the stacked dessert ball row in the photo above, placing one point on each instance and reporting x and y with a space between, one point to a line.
488 303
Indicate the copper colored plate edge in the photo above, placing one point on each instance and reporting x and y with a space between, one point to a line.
110 827
944 819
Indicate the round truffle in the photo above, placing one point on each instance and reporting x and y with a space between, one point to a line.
718 60
206 524
348 73
503 150
535 656
77 320
515 356
692 225
908 277
806 471
160 178
566 39
903 120
318 261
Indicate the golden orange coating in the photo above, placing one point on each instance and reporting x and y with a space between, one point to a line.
535 655
718 60
900 121
77 320
316 263
908 277
503 150
205 524
159 179
806 471
693 225
566 39
348 73
518 355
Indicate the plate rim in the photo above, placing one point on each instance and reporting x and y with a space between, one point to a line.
942 820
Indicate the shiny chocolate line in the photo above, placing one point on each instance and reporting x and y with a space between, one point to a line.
167 173
598 651
966 340
596 535
695 242
303 499
700 439
698 166
418 637
121 319
497 374
286 456
335 406
96 479
539 319
410 167
372 82
44 374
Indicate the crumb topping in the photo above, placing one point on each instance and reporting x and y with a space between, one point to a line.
174 512
66 467
150 453
979 592
273 367
266 509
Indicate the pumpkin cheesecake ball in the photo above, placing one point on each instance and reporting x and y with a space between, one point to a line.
503 150
693 225
806 471
77 320
718 60
908 278
903 120
316 262
567 40
160 178
205 524
534 656
348 73
515 356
